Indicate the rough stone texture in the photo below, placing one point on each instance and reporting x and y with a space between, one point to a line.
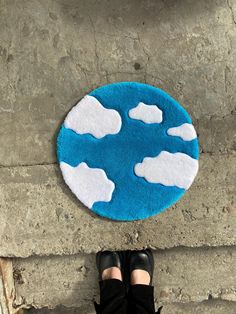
72 281
50 220
54 52
6 286
191 308
206 307
198 308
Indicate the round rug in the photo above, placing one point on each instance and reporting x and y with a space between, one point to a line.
128 151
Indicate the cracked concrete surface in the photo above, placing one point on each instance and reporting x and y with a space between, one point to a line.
50 220
208 307
54 52
73 282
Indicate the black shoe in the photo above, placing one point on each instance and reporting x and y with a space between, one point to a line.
107 259
142 260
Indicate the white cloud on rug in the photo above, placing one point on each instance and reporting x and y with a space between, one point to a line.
169 169
146 113
89 116
90 185
186 131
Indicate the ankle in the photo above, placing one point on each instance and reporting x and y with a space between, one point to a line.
112 273
140 277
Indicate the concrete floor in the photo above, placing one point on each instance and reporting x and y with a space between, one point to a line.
54 52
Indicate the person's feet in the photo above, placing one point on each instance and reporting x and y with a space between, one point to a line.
141 267
109 265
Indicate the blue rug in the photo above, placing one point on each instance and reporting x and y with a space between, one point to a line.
128 151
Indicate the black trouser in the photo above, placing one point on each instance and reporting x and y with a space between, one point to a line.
115 300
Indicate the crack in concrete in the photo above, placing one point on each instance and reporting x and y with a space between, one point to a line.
29 165
116 35
157 250
77 64
231 10
96 43
148 58
226 78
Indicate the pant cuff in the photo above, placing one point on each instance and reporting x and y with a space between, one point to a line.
142 290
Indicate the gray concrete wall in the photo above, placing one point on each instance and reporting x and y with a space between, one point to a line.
54 52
